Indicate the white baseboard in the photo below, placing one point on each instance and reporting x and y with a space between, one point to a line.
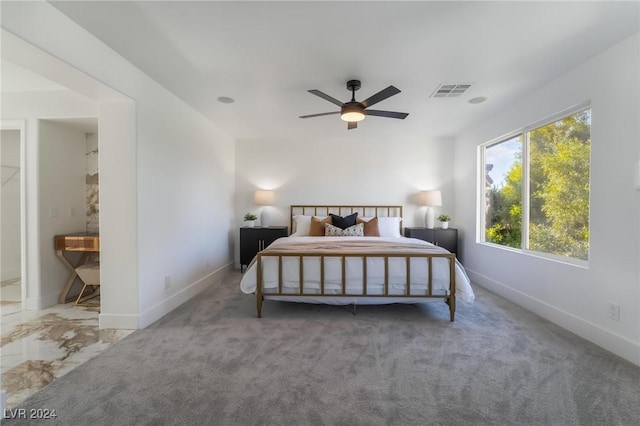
122 322
169 304
39 303
612 342
151 315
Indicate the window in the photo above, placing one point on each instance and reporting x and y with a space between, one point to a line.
536 187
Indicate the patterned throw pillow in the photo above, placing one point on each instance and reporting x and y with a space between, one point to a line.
352 231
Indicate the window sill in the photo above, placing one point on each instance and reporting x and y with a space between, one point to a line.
582 264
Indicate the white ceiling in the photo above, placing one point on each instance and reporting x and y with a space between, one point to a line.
266 55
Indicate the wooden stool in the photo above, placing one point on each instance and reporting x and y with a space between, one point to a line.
89 273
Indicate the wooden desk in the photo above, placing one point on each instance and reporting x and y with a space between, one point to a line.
82 242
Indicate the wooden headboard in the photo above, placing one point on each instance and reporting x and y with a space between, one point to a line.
345 210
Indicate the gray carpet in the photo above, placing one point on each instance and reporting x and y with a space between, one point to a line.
213 362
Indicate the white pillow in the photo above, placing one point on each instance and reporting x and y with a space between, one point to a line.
388 226
301 225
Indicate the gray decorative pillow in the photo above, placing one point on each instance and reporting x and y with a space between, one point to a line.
352 231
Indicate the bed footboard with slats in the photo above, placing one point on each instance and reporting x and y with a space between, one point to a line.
346 286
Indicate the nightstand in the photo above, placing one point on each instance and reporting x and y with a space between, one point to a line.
445 238
253 240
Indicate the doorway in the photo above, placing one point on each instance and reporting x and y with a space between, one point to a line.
12 288
116 113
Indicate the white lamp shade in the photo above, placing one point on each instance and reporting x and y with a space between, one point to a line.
264 198
431 198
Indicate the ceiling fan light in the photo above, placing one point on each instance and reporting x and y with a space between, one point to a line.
352 116
352 112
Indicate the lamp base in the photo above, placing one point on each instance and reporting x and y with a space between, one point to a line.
264 217
429 218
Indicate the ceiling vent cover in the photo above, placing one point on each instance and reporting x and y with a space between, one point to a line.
450 90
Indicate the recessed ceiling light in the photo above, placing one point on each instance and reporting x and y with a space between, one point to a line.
225 100
478 100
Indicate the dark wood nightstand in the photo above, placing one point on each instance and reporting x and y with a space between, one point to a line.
445 238
253 240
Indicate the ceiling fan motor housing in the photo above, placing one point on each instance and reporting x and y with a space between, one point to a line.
352 107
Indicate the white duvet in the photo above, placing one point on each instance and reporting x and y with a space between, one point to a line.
354 274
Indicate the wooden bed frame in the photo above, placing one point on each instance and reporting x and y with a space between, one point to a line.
449 298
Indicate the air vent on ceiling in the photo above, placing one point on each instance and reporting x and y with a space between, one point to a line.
450 90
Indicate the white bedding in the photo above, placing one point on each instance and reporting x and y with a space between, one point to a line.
375 275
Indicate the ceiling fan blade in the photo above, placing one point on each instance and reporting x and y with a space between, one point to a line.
388 114
320 115
380 96
326 97
352 125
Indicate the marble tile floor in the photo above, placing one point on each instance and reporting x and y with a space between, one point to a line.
10 296
38 347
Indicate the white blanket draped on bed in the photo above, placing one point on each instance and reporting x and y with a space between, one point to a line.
354 271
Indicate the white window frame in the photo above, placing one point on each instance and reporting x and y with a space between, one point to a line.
481 217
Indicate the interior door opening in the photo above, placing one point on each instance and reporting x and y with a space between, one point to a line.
12 288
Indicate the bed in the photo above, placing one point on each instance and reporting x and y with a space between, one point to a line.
353 266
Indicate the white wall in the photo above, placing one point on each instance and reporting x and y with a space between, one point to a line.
10 204
352 170
62 166
119 267
174 198
576 298
185 199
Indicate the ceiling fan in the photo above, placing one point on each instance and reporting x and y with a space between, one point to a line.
354 111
